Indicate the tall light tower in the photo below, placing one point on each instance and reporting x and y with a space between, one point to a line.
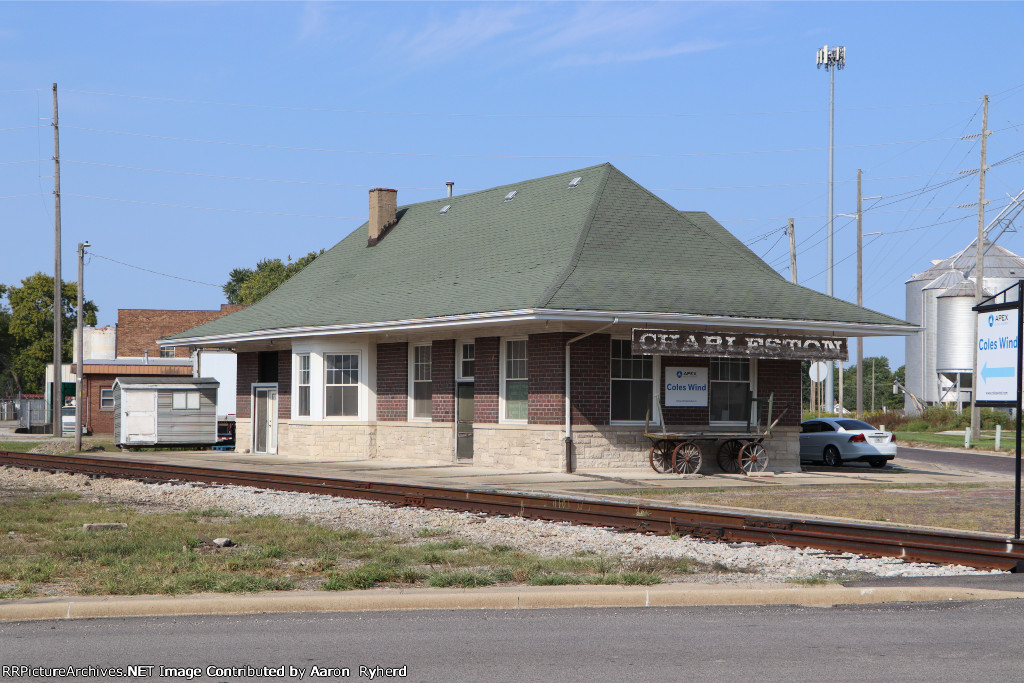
831 58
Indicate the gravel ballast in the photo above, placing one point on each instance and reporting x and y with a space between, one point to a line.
754 563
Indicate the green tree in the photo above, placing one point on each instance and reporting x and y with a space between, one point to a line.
10 384
877 374
247 286
30 328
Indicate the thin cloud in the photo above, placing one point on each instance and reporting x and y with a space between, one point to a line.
313 21
622 57
451 38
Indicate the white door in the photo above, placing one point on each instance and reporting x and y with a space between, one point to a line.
140 416
264 432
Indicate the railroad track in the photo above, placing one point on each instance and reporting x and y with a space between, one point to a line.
919 545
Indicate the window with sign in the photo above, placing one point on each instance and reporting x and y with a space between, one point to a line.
730 389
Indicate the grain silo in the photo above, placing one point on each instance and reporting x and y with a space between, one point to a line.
954 353
940 300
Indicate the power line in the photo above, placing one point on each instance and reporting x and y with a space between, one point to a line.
333 110
154 272
330 150
210 208
244 178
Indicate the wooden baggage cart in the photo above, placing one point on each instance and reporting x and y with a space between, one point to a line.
738 452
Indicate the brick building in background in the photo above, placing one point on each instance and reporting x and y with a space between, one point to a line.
500 327
138 329
136 353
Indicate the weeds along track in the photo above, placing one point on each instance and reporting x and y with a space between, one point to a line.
917 545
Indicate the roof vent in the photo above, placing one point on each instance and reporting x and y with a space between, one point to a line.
444 209
510 195
575 182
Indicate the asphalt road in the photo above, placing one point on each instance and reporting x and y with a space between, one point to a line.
964 460
949 641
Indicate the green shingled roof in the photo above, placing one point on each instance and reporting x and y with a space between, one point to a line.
606 245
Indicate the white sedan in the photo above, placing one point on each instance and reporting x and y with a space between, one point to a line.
837 440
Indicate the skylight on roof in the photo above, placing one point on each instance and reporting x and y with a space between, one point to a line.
444 209
510 195
575 182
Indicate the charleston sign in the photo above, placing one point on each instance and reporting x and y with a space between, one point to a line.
733 345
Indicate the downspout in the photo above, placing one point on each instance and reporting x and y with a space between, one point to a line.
568 392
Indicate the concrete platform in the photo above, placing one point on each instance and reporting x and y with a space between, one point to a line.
582 482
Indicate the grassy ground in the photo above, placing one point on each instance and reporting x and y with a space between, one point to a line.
987 442
45 551
986 508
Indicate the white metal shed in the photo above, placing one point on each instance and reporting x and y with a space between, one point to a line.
165 411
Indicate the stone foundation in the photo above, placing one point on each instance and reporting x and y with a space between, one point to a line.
512 447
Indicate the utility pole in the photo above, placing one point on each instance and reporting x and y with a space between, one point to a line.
792 250
979 271
79 344
860 296
57 400
872 385
832 59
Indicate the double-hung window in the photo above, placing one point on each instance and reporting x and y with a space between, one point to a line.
632 383
341 380
422 386
467 361
303 374
107 399
516 380
730 389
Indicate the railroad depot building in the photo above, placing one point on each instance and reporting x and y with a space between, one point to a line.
524 324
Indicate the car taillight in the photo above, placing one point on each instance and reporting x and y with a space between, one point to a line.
857 438
893 439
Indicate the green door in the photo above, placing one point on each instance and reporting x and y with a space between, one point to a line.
464 422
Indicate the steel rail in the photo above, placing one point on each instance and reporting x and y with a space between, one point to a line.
911 544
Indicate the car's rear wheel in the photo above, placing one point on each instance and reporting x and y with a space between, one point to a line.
878 463
832 457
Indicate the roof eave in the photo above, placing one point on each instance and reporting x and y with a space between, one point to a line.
828 328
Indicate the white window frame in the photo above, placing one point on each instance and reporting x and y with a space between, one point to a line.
358 384
300 385
184 400
503 379
752 372
107 399
656 383
459 358
413 381
167 352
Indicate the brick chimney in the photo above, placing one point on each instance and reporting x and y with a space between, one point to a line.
383 209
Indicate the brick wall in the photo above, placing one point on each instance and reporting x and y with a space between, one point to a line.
138 329
545 355
247 372
590 364
783 378
98 420
393 382
284 385
485 401
442 376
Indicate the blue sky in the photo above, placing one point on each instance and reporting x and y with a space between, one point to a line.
199 137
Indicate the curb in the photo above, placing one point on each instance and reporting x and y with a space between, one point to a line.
532 597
